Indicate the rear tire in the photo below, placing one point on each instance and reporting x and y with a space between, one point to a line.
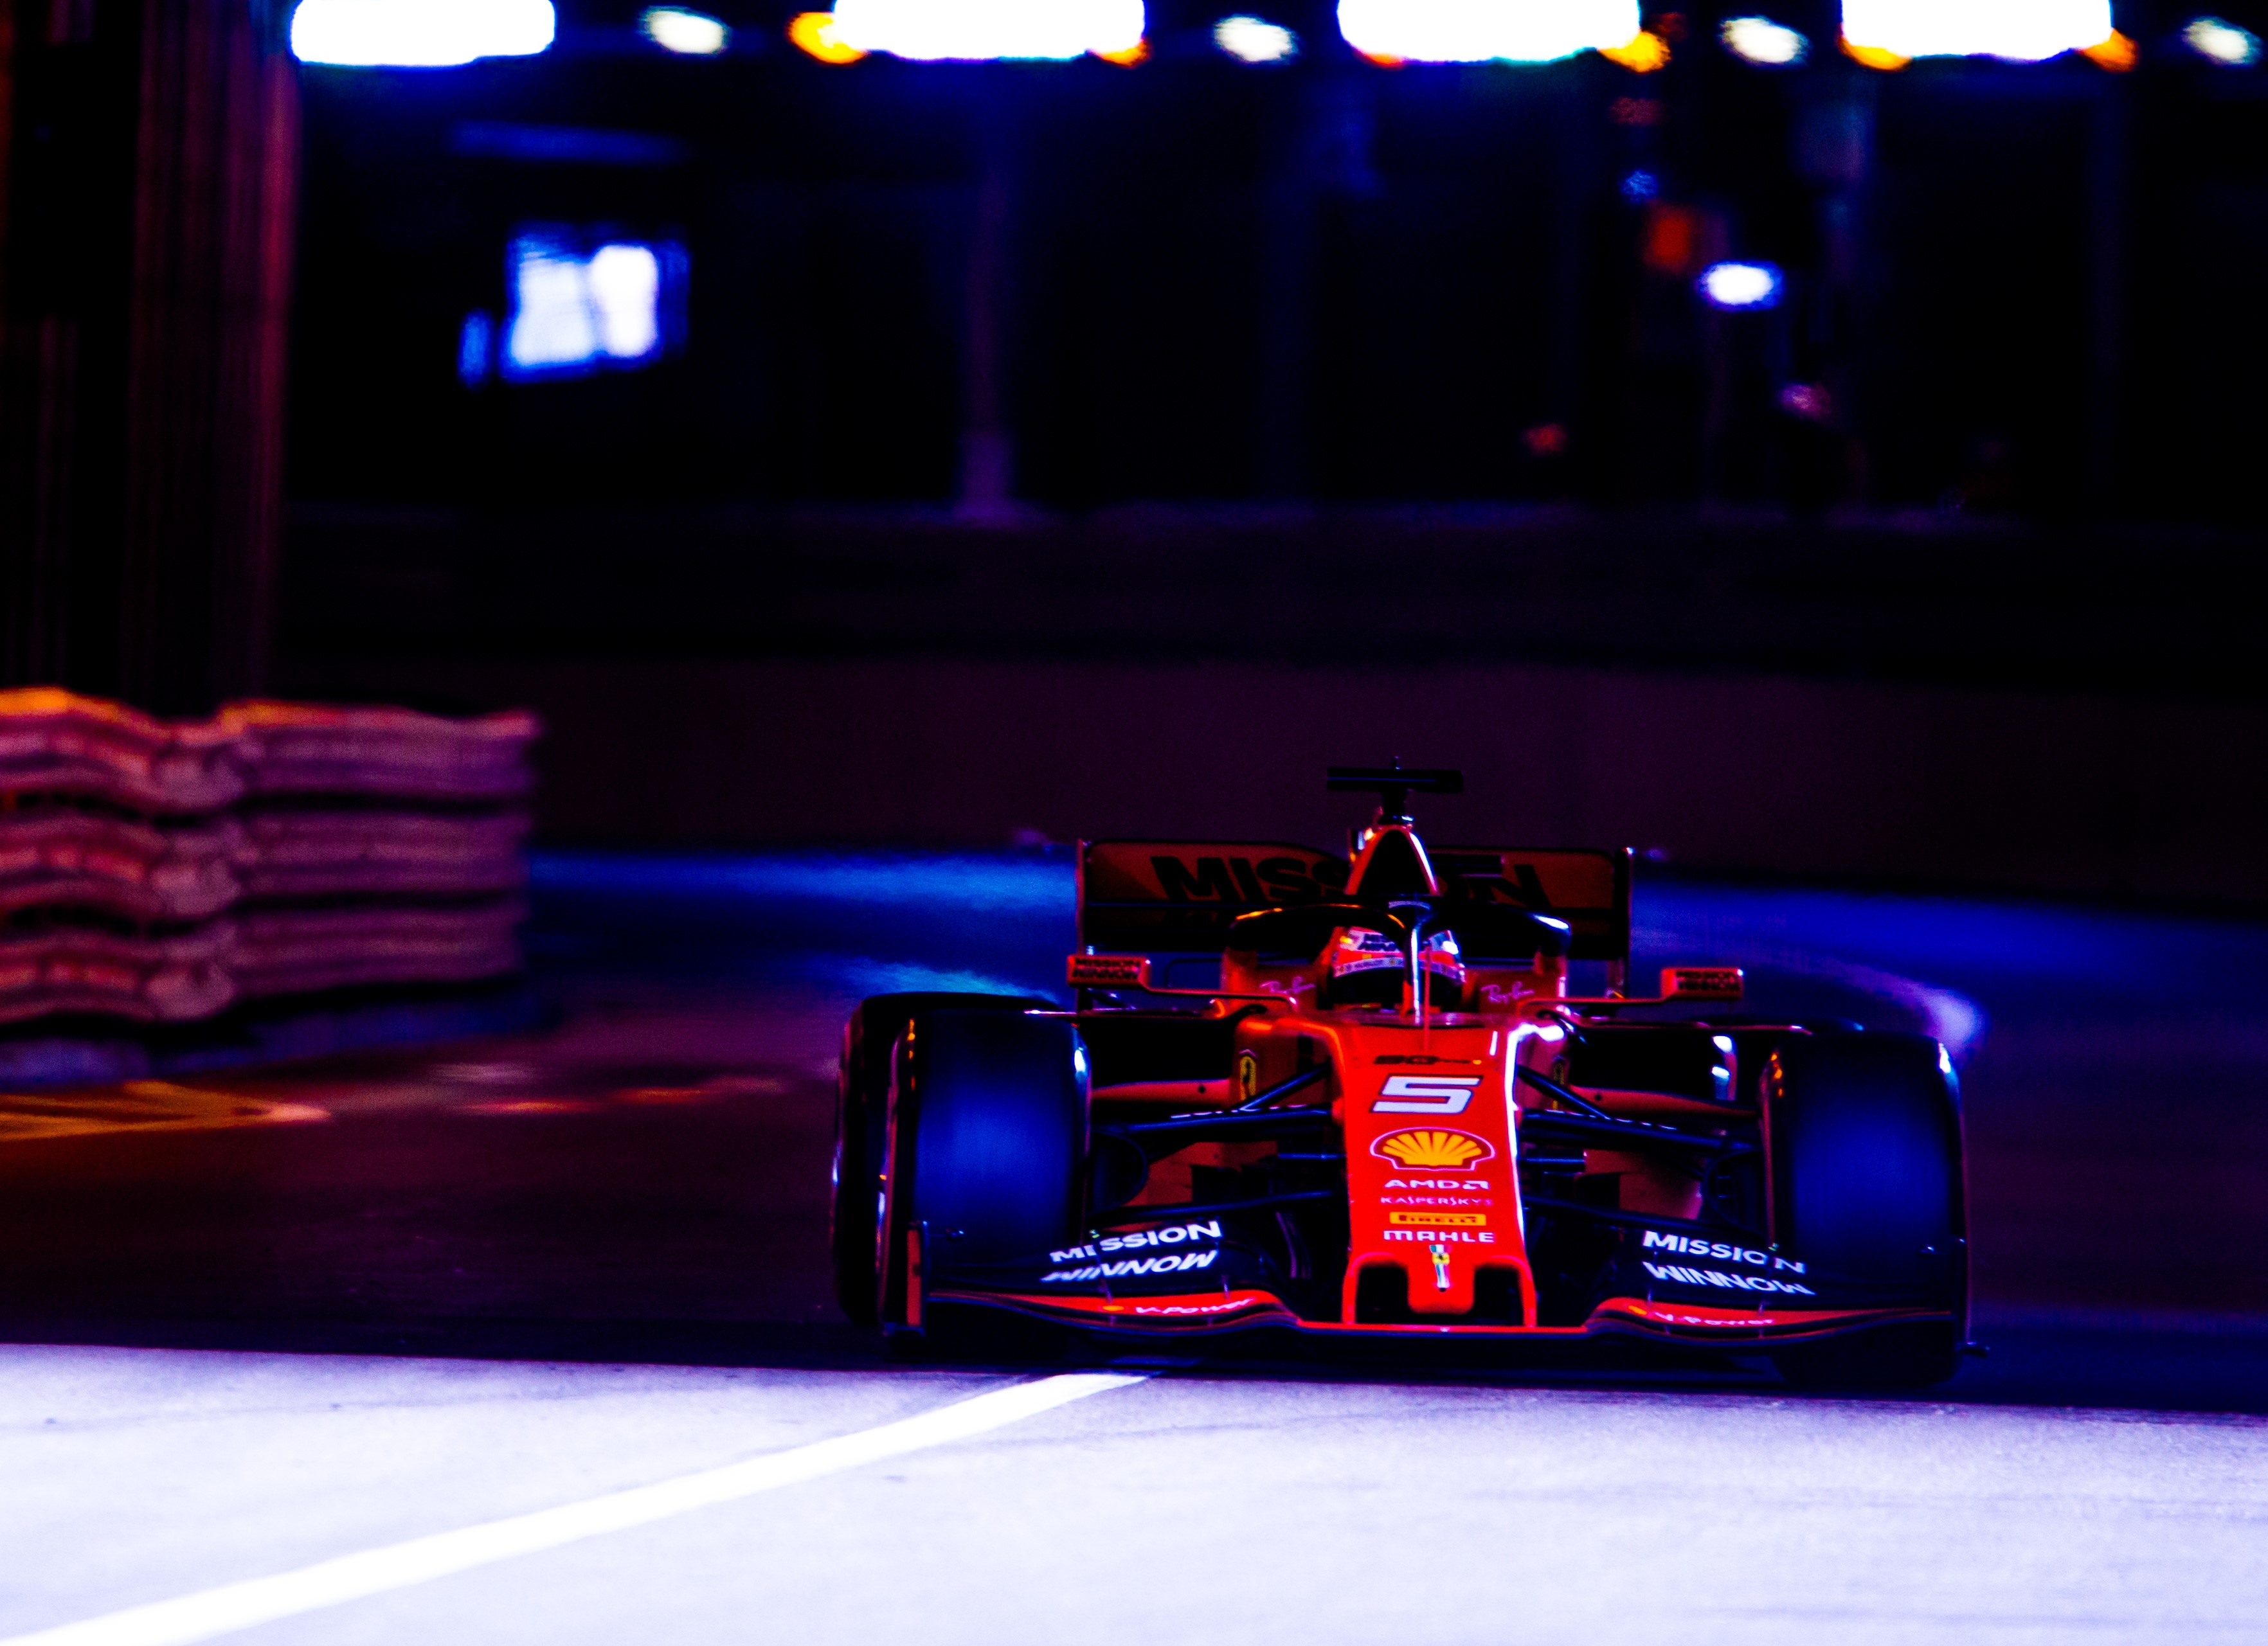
988 1145
861 1114
1864 1131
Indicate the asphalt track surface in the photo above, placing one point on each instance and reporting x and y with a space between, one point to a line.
527 1339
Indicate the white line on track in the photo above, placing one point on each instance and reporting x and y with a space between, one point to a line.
240 1605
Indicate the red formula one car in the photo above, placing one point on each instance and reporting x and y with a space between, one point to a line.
1352 1094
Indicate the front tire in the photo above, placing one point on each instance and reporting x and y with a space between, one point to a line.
987 1149
1864 1131
861 1118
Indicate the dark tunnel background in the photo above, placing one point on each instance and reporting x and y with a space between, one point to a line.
2023 286
1024 451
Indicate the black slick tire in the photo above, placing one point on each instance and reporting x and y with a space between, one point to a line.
1865 1144
861 1113
986 1151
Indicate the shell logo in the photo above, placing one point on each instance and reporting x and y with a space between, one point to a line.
1443 1149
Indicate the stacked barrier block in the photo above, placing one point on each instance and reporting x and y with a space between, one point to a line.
165 871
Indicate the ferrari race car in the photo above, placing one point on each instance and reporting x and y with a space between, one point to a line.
1352 1094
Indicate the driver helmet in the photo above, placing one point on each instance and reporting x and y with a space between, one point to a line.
1367 969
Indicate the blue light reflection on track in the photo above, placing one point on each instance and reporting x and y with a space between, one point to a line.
1005 920
857 922
1946 964
973 882
846 924
2116 1102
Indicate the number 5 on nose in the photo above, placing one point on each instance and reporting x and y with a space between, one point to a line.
1426 1094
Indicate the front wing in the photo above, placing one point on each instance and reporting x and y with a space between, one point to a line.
1195 1276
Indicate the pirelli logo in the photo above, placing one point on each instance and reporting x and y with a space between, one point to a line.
1439 1219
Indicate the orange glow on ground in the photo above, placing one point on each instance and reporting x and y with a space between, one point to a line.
289 1097
1138 52
531 1105
142 1106
708 1092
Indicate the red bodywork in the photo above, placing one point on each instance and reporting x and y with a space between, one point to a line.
1427 1103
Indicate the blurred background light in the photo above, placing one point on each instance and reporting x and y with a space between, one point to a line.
2117 54
2021 31
1760 40
691 34
2219 40
1476 31
419 33
625 284
1809 401
1252 40
476 348
816 34
1880 57
1642 52
1672 239
1740 285
985 30
572 311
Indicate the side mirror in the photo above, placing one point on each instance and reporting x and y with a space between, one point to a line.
1701 982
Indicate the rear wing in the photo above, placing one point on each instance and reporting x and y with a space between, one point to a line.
1587 887
1178 897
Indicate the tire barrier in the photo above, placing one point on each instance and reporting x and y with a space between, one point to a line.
164 872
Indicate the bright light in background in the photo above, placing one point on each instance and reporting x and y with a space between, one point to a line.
625 284
1873 56
1643 53
1476 31
2021 31
1250 39
419 33
983 30
2119 53
1740 285
691 34
570 311
2218 41
1760 40
814 33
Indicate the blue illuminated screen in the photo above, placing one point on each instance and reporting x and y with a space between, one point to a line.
577 302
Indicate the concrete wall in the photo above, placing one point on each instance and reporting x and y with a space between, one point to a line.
2063 793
